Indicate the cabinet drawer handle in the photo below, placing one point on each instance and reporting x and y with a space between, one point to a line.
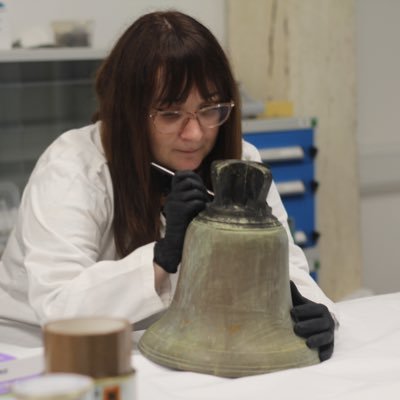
300 237
282 153
290 187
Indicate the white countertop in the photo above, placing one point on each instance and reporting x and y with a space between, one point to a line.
365 365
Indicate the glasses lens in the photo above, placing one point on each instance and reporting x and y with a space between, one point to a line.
211 117
168 121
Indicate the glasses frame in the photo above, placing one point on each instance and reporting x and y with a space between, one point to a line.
194 115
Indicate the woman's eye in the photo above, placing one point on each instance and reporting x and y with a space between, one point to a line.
170 115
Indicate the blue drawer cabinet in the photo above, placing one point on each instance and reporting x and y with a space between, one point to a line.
287 146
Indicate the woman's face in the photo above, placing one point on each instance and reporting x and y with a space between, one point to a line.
184 148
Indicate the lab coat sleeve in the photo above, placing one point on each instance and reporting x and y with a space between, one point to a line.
298 265
65 216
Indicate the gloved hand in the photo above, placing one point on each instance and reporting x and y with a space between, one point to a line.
188 196
313 322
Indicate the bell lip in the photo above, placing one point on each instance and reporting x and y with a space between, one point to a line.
308 357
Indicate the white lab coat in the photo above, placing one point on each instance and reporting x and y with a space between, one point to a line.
60 260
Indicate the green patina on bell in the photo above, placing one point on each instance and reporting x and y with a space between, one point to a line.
230 315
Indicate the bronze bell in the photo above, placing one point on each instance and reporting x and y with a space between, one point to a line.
230 315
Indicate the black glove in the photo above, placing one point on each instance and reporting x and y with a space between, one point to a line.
314 322
188 196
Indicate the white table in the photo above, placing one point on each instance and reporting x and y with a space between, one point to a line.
365 365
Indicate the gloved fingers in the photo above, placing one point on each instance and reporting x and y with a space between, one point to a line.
313 322
189 203
325 352
320 339
186 186
312 326
307 311
297 298
180 213
193 207
193 194
184 175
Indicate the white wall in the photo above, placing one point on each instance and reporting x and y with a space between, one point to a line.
378 57
111 17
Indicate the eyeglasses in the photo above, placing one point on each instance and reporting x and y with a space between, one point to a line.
173 121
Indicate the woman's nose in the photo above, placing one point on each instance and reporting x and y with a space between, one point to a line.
192 129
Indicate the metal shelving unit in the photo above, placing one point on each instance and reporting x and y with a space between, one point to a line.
43 92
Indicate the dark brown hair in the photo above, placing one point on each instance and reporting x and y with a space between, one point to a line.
161 56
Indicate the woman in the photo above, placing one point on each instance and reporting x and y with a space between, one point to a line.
89 237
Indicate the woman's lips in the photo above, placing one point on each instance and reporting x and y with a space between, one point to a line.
188 151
